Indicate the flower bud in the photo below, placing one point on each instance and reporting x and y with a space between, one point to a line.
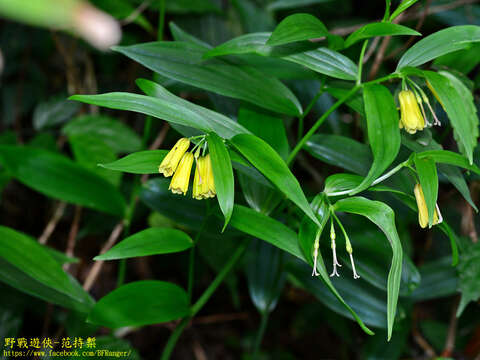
422 208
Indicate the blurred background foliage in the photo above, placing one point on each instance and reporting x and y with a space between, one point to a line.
41 67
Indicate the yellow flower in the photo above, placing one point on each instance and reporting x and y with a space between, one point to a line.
422 208
410 116
170 162
180 180
203 183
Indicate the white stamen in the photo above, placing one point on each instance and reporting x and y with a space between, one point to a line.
436 121
440 217
355 275
315 256
335 261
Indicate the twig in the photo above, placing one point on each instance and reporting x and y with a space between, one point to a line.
136 13
198 351
420 340
452 331
371 49
95 270
218 318
72 236
52 224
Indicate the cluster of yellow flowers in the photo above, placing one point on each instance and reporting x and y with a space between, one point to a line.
411 118
178 163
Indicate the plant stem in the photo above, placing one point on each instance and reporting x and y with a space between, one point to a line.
319 122
260 333
360 63
172 340
307 111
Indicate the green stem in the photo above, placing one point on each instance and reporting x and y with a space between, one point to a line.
172 340
360 63
260 333
191 259
319 122
382 79
386 16
307 111
161 20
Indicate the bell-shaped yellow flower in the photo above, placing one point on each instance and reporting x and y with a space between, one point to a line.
180 180
170 162
203 183
422 208
410 116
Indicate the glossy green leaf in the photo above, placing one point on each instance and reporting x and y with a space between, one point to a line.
265 228
457 102
340 151
53 112
223 175
404 5
450 158
383 131
111 131
140 303
168 107
243 44
440 43
378 29
57 176
141 162
438 279
270 164
384 217
31 268
447 230
355 101
455 176
469 275
427 173
292 4
184 62
297 27
151 241
265 275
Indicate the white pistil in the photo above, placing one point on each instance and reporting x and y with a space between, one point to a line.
335 261
355 275
316 245
436 122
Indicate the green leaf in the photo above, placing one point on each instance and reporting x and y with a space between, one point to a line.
378 29
438 279
456 178
292 4
450 158
270 164
297 27
108 130
440 43
447 230
141 162
322 60
140 303
340 151
469 275
57 176
383 131
427 173
31 268
384 217
457 102
404 5
265 228
355 101
53 112
188 6
222 174
265 275
168 107
184 62
151 241
326 61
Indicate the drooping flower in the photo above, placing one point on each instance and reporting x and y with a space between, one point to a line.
181 179
422 208
210 186
410 115
203 183
170 162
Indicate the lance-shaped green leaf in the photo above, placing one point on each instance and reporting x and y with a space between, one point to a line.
427 173
297 27
457 102
222 174
272 166
440 43
168 107
140 303
184 62
378 29
265 228
404 5
383 131
450 158
57 176
32 268
140 162
292 4
152 241
384 217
